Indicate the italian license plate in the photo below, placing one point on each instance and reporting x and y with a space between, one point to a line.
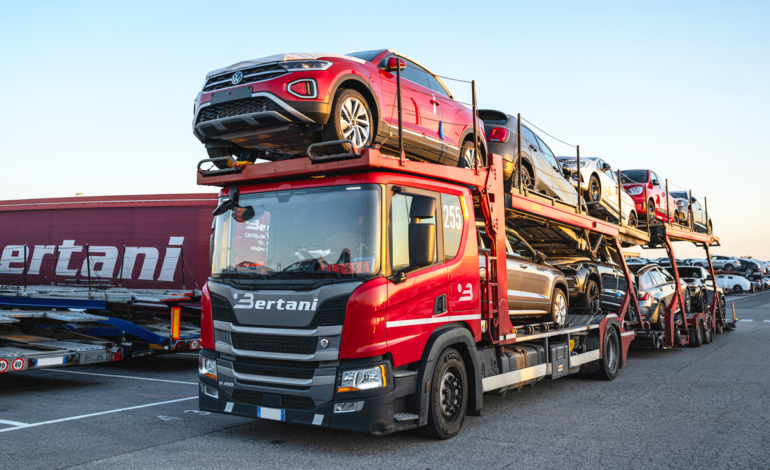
50 361
271 413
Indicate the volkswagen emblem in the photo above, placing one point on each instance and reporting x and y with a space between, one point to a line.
237 77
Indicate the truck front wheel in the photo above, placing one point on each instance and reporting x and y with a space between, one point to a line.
448 396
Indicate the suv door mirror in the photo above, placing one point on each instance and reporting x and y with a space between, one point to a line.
655 183
422 236
606 167
566 171
391 63
541 257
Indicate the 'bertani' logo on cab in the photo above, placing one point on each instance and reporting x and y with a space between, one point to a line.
247 301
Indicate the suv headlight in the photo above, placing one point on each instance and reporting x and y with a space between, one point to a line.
299 65
635 191
363 379
207 367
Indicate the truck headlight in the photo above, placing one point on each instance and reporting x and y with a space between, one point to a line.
363 379
207 367
635 191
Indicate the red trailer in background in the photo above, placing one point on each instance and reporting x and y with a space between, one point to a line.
158 241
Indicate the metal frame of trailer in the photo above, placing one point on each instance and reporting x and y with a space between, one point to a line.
119 317
26 345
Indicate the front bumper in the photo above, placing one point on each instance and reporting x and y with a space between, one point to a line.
375 409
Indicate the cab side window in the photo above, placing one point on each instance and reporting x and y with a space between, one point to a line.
452 223
399 226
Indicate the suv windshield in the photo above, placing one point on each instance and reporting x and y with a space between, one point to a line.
304 233
634 176
366 55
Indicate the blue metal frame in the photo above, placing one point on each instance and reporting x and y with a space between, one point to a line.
37 302
126 328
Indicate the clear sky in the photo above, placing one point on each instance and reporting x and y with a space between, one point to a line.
98 96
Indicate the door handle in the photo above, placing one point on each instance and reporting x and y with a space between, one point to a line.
533 147
661 289
524 266
437 103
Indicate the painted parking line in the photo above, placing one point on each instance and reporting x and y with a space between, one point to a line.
766 321
745 320
25 426
12 423
122 376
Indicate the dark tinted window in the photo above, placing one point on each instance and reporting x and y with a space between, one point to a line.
527 137
634 176
436 86
680 194
495 117
415 74
518 246
366 55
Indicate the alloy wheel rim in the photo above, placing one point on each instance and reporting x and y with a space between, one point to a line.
594 192
593 296
354 122
526 181
451 394
561 309
469 158
651 212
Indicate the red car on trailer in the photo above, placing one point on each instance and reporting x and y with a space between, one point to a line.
648 191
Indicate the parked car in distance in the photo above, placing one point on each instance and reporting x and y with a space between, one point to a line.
695 277
721 263
666 262
750 266
599 184
766 278
734 283
540 170
276 106
692 209
757 281
655 206
638 261
592 285
535 289
655 290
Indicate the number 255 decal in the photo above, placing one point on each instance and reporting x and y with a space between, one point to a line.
467 294
453 217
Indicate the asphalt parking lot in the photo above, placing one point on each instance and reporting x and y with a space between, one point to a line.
680 408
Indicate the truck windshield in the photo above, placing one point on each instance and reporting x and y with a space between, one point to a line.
305 233
634 176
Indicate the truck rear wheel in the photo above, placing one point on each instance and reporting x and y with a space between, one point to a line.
448 396
707 332
696 335
609 364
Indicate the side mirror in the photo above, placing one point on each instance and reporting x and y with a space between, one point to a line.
566 171
606 167
227 204
422 236
655 183
392 63
541 257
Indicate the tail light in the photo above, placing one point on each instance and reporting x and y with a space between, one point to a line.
303 88
643 296
498 134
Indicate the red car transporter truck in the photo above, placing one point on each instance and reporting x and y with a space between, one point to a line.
348 294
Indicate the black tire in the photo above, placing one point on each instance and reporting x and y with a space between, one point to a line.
468 156
527 181
696 335
346 121
749 271
650 211
660 325
707 332
711 228
591 298
676 217
218 152
449 380
720 328
609 364
738 289
632 220
687 301
559 307
631 315
729 267
703 304
594 193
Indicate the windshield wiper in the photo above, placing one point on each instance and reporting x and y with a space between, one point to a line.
333 274
243 276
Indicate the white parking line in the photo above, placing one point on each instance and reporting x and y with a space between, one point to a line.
745 320
766 321
12 423
25 426
122 377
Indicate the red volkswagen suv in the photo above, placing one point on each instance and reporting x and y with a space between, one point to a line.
655 206
275 107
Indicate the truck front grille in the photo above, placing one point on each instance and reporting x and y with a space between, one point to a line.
236 108
272 385
287 401
276 344
331 312
250 75
275 368
221 309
